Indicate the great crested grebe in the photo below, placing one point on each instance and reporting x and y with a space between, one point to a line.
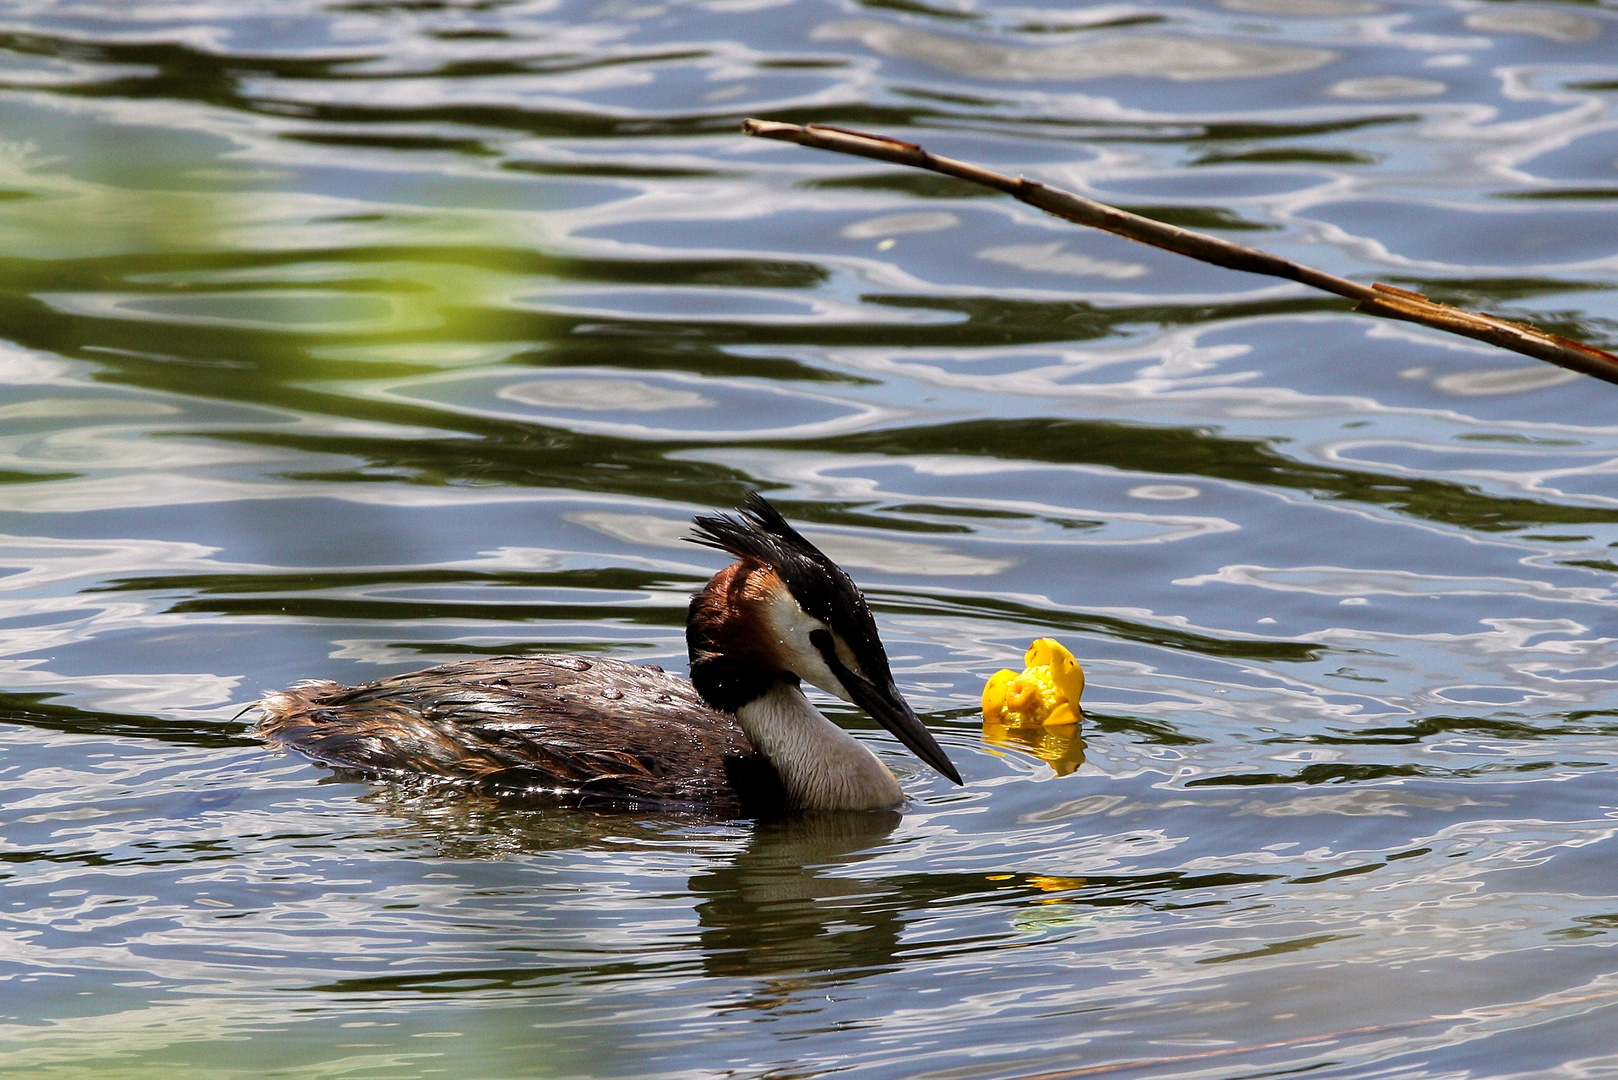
739 739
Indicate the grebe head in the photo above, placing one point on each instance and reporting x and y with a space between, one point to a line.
785 610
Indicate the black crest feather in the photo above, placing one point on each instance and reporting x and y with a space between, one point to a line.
760 533
819 585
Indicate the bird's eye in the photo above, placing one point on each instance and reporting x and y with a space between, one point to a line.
845 655
839 663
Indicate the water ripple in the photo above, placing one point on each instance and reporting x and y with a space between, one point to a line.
340 338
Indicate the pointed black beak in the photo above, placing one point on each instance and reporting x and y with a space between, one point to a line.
889 709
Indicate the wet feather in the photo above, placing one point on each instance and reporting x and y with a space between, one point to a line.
587 730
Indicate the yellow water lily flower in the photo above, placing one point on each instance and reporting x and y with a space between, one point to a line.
1045 695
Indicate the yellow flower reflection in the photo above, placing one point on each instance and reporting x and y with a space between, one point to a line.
1060 747
1038 710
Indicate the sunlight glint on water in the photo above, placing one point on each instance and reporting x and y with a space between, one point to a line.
337 339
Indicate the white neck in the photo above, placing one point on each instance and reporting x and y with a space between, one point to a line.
822 766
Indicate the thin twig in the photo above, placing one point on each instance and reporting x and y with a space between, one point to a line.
1386 301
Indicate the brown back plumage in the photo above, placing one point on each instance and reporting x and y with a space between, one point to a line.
575 729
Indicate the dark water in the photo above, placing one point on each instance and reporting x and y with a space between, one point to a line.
337 338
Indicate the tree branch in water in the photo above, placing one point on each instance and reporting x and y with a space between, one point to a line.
1385 301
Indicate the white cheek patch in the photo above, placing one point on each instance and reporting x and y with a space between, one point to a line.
789 627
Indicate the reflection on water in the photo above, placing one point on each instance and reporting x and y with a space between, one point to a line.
774 914
1062 747
341 338
1183 59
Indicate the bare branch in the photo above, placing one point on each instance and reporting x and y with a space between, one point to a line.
1385 301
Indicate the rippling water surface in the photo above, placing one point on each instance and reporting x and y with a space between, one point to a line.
342 337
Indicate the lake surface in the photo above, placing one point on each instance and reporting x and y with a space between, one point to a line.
342 338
